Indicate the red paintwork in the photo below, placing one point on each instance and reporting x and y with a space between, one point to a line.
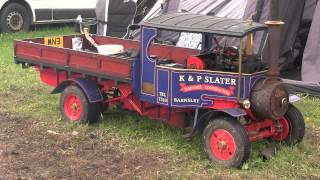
222 145
130 102
119 67
223 104
73 107
51 77
195 63
250 115
220 104
179 55
260 130
280 136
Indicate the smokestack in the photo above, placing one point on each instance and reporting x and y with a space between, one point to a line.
274 25
274 10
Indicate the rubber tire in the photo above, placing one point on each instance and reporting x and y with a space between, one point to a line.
91 111
233 126
296 125
19 8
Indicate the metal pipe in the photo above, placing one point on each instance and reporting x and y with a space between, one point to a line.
274 10
250 43
240 68
274 25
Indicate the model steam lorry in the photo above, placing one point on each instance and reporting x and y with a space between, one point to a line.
233 98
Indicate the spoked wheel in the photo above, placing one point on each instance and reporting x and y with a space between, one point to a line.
292 127
226 142
76 108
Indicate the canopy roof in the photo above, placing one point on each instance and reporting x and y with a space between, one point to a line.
197 23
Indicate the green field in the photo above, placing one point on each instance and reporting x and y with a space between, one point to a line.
22 93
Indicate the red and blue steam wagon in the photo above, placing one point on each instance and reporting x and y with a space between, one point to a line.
226 93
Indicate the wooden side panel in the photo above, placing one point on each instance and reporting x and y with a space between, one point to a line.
121 67
54 55
27 51
116 66
162 51
82 61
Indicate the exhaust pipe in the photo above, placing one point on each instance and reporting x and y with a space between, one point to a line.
269 97
274 25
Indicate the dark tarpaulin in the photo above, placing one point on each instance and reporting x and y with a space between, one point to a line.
311 58
162 7
291 12
256 10
114 16
222 8
144 7
309 9
310 88
169 6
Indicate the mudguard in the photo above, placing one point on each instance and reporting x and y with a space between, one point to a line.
89 87
234 112
206 116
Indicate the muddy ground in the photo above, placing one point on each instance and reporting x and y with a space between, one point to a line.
35 149
31 149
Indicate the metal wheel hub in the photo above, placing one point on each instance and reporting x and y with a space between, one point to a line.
222 144
15 21
283 130
73 107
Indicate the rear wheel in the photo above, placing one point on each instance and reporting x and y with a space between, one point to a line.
226 142
292 127
76 108
15 17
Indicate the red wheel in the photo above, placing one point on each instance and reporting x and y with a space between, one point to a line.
292 127
226 142
75 107
222 145
283 122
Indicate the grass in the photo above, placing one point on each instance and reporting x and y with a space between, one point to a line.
21 92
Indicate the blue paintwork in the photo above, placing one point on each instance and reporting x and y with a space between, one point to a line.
188 88
195 89
136 80
92 92
148 65
234 112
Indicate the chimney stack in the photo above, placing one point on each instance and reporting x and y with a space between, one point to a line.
274 25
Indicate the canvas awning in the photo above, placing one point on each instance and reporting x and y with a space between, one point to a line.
187 22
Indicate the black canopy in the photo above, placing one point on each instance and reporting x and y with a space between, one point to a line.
197 23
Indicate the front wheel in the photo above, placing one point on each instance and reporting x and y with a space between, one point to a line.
15 17
226 142
76 108
292 127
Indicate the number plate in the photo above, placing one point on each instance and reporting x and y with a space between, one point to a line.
56 41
